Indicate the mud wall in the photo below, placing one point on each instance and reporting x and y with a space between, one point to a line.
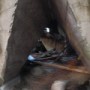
7 8
30 19
21 23
74 16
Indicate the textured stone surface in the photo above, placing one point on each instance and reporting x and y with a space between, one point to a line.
74 16
81 10
6 18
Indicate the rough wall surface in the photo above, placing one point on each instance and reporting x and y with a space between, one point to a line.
17 39
74 15
81 10
29 20
7 8
19 31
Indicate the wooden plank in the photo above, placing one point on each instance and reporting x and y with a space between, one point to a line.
73 69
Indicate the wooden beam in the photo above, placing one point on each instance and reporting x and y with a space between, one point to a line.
73 69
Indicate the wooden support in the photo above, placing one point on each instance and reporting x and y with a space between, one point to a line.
73 69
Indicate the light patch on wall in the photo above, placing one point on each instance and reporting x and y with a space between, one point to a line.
7 19
7 4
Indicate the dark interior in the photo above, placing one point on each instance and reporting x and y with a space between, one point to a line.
31 17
